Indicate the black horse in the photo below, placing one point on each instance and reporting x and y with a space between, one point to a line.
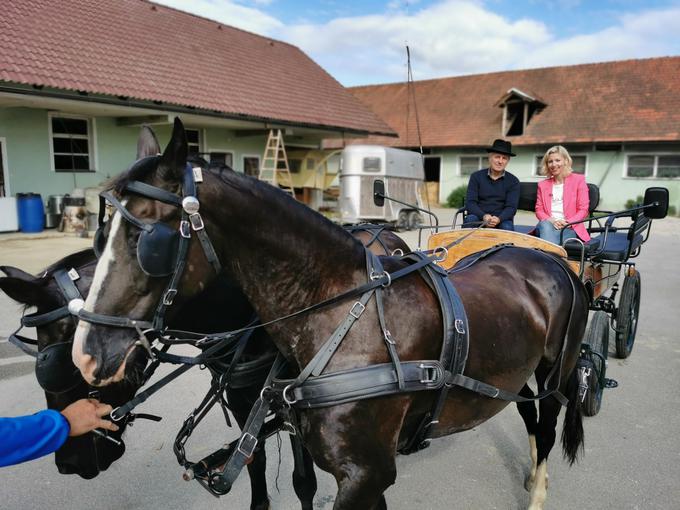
285 257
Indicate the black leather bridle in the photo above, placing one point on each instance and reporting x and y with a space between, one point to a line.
153 259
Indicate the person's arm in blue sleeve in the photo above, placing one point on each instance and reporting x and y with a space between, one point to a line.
472 197
29 437
511 202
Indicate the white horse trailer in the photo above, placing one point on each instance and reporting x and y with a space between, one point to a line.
400 170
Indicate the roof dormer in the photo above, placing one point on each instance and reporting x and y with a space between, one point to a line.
518 109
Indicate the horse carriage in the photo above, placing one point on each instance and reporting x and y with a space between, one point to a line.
600 263
336 362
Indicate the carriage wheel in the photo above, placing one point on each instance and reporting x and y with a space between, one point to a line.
597 337
415 220
627 315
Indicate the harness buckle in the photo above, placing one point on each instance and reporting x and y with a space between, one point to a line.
185 229
169 297
196 221
247 444
388 337
458 324
359 309
430 373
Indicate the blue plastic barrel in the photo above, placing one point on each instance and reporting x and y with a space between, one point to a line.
31 212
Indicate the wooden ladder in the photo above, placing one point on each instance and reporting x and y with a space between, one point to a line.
274 169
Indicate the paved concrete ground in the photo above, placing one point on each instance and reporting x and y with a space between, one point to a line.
632 450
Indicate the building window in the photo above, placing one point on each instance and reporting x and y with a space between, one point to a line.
222 158
578 164
71 147
470 164
194 141
666 166
251 166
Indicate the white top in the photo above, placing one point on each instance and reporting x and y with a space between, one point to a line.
557 207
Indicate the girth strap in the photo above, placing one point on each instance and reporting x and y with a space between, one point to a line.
361 383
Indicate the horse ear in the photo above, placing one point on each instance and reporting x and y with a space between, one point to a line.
174 157
15 272
147 143
28 292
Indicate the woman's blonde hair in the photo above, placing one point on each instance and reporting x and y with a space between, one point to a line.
562 152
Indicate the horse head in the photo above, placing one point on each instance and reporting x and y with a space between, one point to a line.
85 455
142 241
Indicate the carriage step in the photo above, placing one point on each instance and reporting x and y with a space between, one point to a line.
610 383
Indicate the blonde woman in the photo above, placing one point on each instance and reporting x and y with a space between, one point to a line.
562 198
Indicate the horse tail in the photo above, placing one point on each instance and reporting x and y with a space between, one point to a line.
572 428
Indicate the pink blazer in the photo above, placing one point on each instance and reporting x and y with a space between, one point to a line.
576 201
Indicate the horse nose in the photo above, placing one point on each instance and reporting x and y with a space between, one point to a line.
86 363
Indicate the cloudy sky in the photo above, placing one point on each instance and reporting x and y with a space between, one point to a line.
363 41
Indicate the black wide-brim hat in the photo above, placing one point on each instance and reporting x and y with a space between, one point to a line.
501 147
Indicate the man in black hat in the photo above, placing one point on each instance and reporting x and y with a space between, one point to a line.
493 193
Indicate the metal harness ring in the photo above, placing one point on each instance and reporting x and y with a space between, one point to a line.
444 254
285 398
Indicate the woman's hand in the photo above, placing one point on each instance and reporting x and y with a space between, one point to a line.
559 224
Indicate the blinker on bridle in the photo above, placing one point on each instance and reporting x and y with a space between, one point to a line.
54 368
161 248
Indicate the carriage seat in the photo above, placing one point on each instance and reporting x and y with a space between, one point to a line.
621 243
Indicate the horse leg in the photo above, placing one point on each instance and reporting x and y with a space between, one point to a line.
549 409
363 486
527 411
304 478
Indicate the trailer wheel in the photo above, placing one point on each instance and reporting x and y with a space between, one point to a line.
627 315
597 337
415 220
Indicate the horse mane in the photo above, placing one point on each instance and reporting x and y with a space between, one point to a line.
74 260
296 212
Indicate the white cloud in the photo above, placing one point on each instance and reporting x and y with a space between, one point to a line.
229 13
646 34
448 38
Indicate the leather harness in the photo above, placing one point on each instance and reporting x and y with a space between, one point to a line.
313 388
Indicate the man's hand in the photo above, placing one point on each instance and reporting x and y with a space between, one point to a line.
491 221
86 414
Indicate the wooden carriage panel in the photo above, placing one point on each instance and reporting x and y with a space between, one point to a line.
486 238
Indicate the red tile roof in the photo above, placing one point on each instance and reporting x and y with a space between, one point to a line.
625 101
145 51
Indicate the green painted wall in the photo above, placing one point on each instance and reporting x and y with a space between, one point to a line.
26 132
604 168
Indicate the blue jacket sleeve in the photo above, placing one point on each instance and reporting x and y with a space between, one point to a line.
29 437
